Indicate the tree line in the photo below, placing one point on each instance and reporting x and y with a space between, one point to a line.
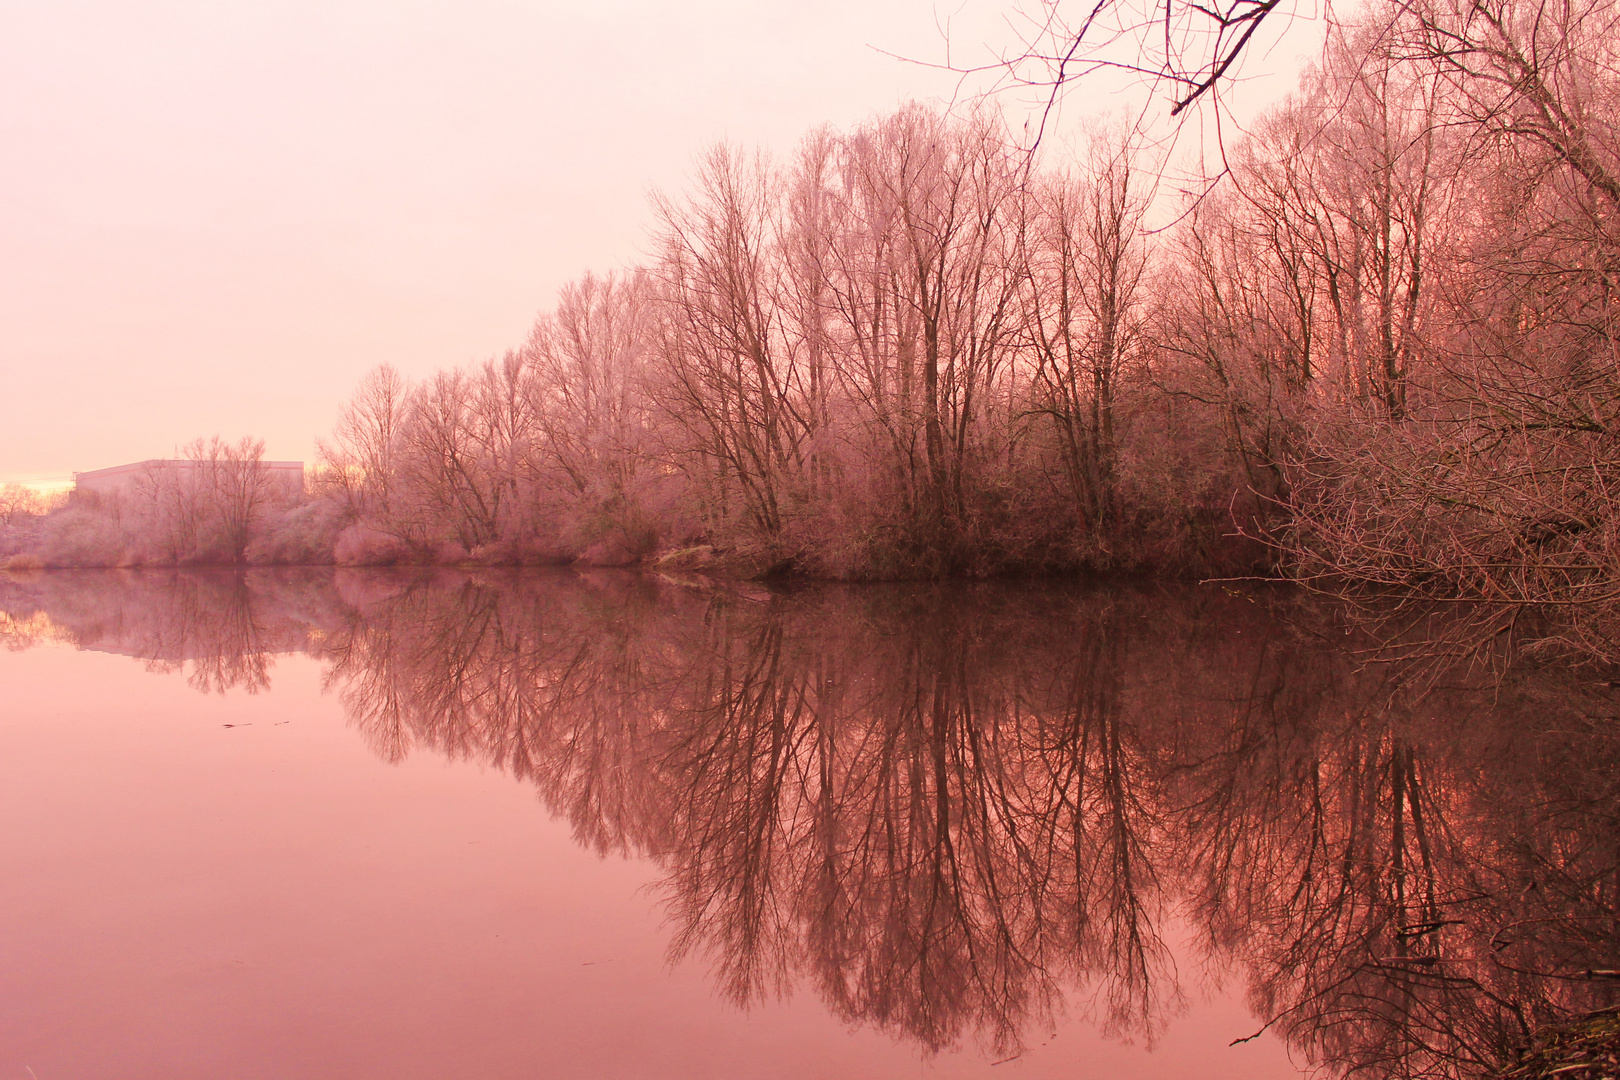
1382 354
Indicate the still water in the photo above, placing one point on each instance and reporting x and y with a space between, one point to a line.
612 825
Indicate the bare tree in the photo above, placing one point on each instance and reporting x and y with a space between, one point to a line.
236 489
447 464
733 377
19 503
1085 259
361 462
588 377
1496 479
920 288
1182 50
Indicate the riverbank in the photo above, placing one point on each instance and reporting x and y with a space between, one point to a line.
1585 1049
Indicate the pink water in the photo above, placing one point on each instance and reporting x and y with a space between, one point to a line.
184 899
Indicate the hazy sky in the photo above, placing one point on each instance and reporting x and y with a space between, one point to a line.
216 216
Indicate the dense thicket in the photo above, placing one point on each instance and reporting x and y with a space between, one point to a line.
900 353
1383 354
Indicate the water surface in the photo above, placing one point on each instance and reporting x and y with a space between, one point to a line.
315 823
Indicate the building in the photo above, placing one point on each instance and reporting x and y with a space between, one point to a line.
285 478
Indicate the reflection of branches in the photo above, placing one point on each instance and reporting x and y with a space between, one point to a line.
508 676
225 626
1368 896
946 815
874 818
946 810
937 866
220 634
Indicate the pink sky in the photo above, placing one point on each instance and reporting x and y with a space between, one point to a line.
216 216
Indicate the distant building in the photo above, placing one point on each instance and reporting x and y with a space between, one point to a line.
286 478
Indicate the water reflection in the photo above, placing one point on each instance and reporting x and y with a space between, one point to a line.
223 627
952 811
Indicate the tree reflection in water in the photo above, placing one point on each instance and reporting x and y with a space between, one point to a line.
955 810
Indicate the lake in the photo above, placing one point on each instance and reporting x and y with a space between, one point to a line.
606 824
